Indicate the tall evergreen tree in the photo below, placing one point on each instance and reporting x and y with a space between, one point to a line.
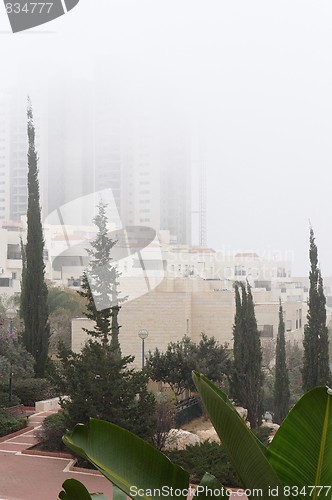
34 308
247 378
281 383
100 286
316 369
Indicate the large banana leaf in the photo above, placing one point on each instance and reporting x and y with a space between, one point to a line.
127 461
246 455
74 490
301 451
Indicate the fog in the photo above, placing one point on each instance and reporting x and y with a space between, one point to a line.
250 80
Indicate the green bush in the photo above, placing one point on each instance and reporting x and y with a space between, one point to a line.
50 437
10 424
208 456
52 430
263 434
33 389
4 398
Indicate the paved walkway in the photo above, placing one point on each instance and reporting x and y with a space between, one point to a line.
33 477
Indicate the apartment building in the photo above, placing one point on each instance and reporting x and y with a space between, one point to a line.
184 306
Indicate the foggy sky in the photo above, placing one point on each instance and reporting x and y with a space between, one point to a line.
254 76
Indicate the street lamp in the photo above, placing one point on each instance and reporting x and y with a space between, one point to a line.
10 314
143 334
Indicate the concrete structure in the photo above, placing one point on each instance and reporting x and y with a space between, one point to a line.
10 258
185 306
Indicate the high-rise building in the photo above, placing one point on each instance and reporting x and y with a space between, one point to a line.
88 140
4 156
147 166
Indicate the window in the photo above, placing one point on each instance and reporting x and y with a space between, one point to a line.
5 282
13 252
266 331
281 272
298 322
239 271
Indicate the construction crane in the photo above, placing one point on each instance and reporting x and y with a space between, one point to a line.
202 196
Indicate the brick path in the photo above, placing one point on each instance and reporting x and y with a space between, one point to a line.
33 477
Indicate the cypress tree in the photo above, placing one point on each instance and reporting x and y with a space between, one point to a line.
247 378
100 286
34 307
281 383
316 370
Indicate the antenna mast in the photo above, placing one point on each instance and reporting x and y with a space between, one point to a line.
202 195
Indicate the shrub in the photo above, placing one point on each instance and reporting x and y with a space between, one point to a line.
33 389
263 434
10 424
52 430
4 394
209 456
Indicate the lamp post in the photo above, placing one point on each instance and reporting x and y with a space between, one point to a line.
10 314
143 334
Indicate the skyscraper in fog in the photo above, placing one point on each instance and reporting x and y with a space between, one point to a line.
146 163
87 140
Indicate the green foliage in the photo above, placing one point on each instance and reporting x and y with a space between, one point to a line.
121 465
316 344
300 454
100 385
64 305
247 377
51 432
64 299
34 307
281 384
4 396
174 366
100 286
294 359
301 451
30 390
10 424
14 357
209 456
